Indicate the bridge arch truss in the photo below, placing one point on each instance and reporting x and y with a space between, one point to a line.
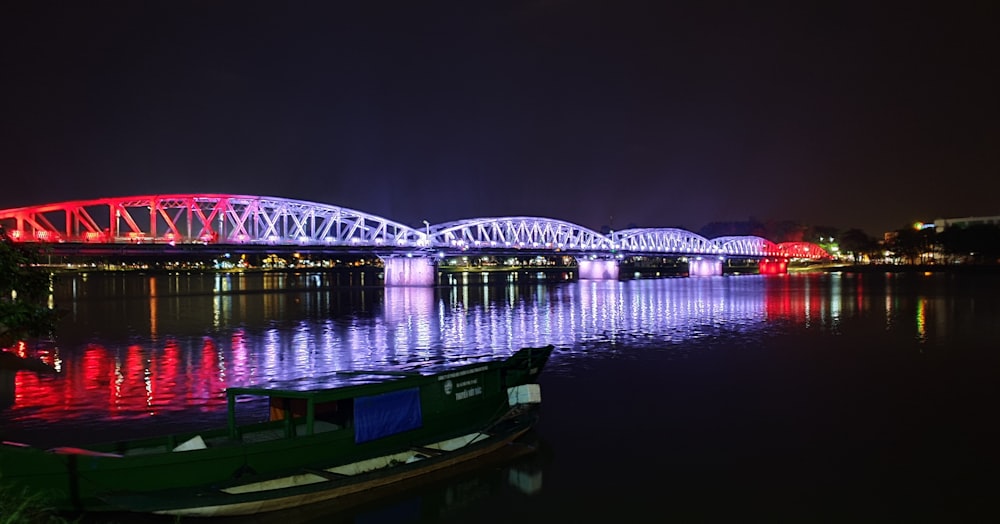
235 219
243 219
663 241
750 246
530 233
806 250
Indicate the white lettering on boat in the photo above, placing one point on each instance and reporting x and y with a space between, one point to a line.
467 383
463 373
464 394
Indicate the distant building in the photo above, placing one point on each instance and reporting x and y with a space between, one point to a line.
940 224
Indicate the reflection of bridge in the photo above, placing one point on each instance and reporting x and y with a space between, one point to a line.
152 357
249 221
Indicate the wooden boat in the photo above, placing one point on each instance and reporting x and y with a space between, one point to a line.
325 438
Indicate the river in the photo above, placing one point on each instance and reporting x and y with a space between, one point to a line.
808 397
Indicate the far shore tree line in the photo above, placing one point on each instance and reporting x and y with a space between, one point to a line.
972 244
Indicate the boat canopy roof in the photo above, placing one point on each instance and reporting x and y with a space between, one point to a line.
345 384
336 385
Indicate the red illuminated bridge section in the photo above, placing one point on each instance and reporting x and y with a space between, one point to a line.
225 219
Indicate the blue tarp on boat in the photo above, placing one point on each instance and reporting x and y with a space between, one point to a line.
382 415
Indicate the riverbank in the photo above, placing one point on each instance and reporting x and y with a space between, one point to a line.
902 268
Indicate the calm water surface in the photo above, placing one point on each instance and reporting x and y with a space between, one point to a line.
797 398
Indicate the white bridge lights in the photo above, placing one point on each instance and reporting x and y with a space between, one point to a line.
248 220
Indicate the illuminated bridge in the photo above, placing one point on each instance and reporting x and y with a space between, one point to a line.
154 223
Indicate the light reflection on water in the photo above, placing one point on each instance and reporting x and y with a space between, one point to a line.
146 348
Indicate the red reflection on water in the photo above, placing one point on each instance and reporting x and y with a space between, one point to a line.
783 300
129 392
25 384
240 367
777 302
166 371
51 396
134 383
21 349
210 386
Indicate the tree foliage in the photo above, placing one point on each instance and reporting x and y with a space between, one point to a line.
820 234
858 243
909 244
978 242
24 292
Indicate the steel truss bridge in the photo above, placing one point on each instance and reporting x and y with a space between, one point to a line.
273 222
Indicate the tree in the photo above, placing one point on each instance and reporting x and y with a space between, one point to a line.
24 292
910 244
858 244
978 242
822 234
785 231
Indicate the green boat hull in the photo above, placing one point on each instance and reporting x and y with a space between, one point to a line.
318 428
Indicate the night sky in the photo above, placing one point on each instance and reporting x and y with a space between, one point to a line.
654 114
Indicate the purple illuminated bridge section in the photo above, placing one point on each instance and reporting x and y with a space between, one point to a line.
247 220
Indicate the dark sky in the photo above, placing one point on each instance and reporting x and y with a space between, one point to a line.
658 114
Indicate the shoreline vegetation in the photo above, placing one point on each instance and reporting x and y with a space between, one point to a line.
899 268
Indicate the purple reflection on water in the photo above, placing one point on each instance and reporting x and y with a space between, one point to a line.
168 355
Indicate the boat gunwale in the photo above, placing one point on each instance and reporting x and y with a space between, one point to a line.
216 497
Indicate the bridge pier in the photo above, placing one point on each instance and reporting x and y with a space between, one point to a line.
409 271
704 267
597 268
